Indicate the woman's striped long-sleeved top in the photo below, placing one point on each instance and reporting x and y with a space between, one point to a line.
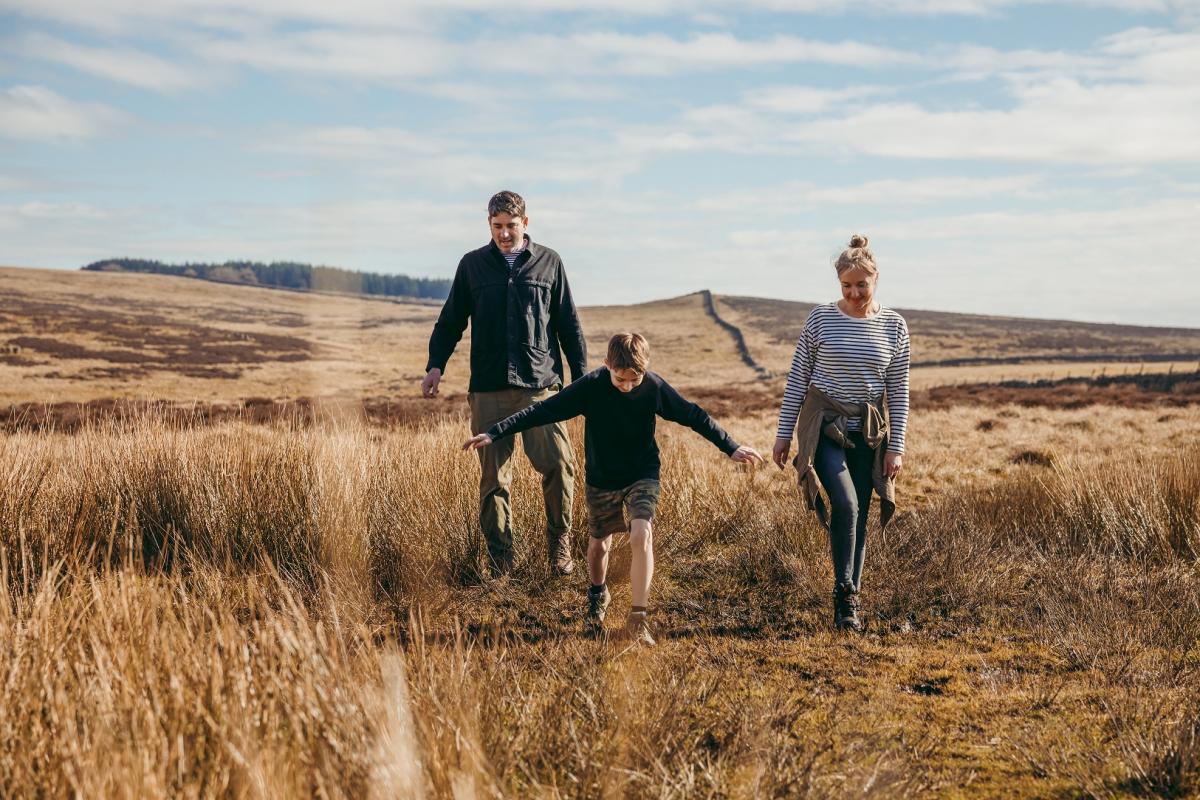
854 360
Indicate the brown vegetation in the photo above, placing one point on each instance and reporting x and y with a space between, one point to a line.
1126 391
302 412
293 611
1134 391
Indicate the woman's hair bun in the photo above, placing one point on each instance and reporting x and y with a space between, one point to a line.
858 240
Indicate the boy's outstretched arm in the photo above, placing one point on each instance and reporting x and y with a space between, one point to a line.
672 406
566 404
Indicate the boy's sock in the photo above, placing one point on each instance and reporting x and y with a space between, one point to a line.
597 588
638 609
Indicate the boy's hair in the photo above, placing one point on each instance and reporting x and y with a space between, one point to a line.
506 202
629 351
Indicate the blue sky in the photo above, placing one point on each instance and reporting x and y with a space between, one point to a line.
1025 158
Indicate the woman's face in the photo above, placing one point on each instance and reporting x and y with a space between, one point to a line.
858 290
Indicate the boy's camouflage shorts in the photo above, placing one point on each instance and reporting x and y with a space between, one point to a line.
606 507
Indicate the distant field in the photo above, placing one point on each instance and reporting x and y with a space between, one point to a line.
944 339
68 336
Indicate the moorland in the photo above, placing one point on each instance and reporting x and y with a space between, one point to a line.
240 559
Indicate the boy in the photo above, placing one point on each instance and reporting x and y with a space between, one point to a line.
619 402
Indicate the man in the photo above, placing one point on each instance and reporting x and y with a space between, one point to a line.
516 296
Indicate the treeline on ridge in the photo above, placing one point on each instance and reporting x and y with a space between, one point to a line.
287 275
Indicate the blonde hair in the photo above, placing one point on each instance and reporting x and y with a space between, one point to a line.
629 351
857 256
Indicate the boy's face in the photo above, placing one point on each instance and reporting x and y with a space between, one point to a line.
508 232
626 380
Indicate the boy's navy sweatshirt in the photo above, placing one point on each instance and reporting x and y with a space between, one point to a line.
619 429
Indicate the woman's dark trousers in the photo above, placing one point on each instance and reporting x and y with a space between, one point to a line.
846 477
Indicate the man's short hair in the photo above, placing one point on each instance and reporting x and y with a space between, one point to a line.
506 202
629 351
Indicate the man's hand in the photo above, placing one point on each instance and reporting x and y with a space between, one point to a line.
892 462
780 454
746 455
476 442
429 384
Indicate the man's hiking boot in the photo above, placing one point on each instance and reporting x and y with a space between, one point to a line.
499 564
637 630
559 546
846 608
597 605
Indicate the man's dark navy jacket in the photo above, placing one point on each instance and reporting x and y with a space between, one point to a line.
518 321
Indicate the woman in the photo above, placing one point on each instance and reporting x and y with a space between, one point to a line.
847 401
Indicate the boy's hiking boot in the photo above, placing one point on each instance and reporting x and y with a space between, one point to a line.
598 600
637 630
559 546
846 608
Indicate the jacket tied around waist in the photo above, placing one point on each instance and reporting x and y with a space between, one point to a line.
822 415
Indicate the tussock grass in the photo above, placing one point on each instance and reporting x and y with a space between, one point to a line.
297 611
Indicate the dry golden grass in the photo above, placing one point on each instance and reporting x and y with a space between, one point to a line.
274 612
295 610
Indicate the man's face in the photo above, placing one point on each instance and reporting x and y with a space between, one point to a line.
508 232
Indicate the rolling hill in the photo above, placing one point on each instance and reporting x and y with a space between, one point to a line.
78 336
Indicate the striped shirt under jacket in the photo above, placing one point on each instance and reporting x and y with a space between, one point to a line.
853 360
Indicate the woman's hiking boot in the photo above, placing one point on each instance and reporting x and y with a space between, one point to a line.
846 608
598 600
637 630
558 543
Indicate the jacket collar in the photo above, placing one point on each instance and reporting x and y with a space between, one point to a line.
530 248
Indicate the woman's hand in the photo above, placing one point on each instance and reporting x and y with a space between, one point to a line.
892 462
476 442
780 454
746 455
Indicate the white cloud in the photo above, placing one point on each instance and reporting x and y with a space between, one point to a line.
396 154
1061 122
655 54
345 54
807 99
397 56
35 112
132 16
978 62
122 65
38 210
1134 101
891 192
